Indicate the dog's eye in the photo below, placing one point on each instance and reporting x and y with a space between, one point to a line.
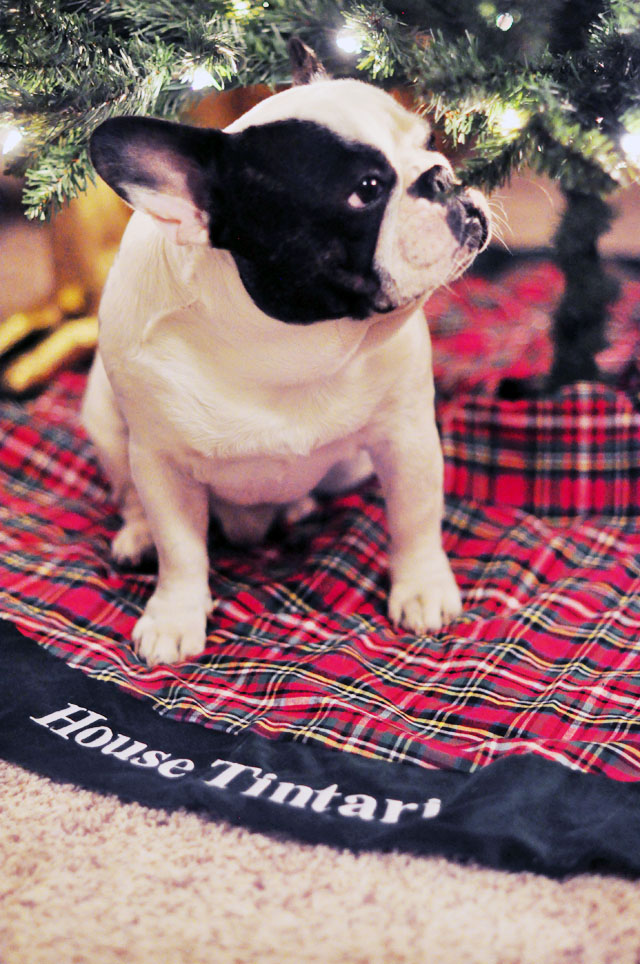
368 190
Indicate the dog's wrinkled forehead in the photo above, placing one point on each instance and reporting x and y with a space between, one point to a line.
352 110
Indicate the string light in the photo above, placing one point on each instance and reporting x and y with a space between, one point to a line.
510 120
348 41
201 78
630 144
487 10
241 8
11 139
505 21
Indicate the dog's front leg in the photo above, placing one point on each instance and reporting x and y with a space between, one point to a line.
409 464
173 625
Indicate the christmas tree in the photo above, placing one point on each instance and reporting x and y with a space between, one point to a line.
554 86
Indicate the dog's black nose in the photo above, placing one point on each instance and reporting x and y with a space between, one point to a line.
433 184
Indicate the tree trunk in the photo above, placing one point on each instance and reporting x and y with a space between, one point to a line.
579 321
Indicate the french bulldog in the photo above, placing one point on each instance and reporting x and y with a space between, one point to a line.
262 337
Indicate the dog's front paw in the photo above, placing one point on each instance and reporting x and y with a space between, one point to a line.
425 600
170 630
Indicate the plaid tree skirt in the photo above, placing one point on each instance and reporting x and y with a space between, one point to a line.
542 529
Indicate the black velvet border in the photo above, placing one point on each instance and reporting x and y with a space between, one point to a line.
520 813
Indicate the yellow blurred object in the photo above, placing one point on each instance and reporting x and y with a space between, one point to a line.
81 231
71 342
71 299
20 325
102 264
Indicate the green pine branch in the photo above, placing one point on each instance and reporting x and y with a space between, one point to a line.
570 110
511 90
67 65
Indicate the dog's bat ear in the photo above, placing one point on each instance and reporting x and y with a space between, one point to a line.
166 170
305 65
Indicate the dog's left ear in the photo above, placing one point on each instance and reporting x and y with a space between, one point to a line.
166 170
305 65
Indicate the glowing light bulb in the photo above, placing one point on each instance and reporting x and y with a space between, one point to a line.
201 78
511 120
504 21
630 144
487 10
11 140
348 41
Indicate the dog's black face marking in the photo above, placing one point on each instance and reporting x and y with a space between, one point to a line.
300 212
299 208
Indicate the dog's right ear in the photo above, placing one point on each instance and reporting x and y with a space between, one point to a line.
305 66
166 170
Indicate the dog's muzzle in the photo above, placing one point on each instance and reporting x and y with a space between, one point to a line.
467 222
465 216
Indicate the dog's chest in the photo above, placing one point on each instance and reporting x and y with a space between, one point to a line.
258 409
274 479
250 435
256 446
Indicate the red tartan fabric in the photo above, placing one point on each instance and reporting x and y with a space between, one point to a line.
575 454
485 330
543 532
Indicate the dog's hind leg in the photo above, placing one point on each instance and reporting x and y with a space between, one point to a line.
133 541
108 431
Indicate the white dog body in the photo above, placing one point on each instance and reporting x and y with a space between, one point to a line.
199 399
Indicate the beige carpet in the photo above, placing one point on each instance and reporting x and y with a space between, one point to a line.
85 879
